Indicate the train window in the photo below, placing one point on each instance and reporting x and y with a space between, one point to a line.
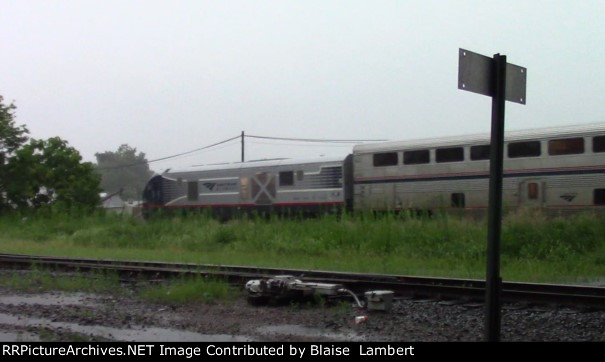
458 199
415 157
480 152
286 178
524 149
599 196
452 154
567 146
385 159
192 193
598 144
300 175
532 191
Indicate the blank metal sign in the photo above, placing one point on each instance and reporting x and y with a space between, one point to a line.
475 75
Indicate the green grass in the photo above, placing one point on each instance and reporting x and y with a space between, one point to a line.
534 248
38 280
191 290
185 290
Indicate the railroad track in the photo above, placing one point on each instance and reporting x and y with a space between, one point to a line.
419 287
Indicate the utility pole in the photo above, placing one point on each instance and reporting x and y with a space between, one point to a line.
242 146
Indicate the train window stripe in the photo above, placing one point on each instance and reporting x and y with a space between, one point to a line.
482 176
483 173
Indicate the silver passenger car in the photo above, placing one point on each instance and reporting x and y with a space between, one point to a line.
559 168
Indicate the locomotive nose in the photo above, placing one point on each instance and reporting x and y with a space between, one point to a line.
152 194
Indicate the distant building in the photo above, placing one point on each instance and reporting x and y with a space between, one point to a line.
112 202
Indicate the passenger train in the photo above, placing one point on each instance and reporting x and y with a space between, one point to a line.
555 169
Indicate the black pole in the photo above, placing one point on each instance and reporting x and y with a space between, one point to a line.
493 280
242 146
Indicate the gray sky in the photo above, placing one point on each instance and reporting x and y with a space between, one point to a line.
171 76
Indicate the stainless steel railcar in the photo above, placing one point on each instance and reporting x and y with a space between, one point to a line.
559 168
273 186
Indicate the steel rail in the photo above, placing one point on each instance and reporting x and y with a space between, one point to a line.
402 285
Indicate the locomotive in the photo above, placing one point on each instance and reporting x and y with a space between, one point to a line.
556 168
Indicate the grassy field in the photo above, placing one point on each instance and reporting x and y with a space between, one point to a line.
534 248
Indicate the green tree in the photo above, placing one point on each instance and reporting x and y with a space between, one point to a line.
124 170
46 172
11 138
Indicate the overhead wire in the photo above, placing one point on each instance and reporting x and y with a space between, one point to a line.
169 157
299 144
313 140
223 146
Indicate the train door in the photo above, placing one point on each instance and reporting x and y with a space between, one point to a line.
359 196
531 193
244 190
263 188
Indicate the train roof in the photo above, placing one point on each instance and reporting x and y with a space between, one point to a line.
482 138
260 164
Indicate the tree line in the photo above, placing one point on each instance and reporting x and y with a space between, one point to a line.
38 173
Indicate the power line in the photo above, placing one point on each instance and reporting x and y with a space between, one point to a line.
299 144
228 143
168 157
196 150
312 139
315 140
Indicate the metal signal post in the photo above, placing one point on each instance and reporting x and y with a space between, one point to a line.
493 281
502 81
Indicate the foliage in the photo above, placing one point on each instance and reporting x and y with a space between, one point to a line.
534 248
41 172
46 172
11 138
123 170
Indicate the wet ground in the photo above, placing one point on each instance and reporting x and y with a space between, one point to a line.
59 316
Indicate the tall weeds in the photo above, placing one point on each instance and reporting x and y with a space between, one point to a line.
390 243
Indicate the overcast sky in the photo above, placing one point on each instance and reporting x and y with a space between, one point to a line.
171 76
